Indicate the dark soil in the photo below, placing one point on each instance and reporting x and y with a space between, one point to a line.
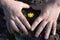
5 35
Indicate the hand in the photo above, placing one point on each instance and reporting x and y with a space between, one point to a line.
14 16
48 16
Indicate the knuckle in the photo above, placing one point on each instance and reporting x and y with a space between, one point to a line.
13 18
38 19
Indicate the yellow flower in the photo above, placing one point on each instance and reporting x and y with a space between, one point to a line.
30 15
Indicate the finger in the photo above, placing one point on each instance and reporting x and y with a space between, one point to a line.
24 21
48 29
21 26
36 22
8 28
36 7
24 5
54 28
40 28
13 25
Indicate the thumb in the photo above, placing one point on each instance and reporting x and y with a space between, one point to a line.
23 5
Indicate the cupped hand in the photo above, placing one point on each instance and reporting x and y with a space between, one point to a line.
47 19
14 16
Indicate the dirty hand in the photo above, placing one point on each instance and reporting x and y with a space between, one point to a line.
48 16
14 16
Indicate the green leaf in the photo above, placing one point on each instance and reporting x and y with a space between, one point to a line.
19 36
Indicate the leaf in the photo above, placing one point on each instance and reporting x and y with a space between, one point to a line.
19 36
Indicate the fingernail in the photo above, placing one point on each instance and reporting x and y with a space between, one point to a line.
28 6
32 29
26 33
54 33
46 38
36 36
29 27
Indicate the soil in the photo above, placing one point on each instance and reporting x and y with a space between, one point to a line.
5 35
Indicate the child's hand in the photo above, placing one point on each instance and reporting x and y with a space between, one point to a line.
48 16
15 17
